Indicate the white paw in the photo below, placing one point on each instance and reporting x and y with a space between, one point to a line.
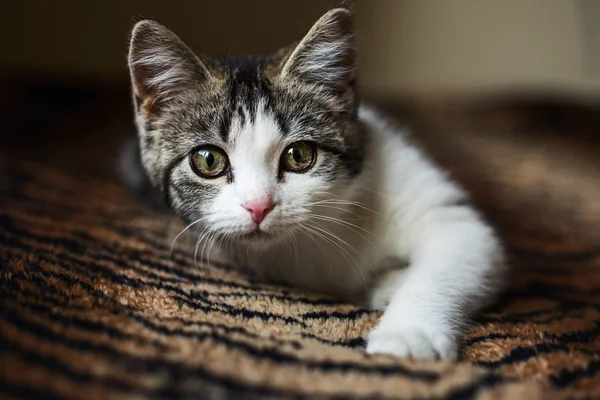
412 341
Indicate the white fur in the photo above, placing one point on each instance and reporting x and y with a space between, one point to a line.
401 206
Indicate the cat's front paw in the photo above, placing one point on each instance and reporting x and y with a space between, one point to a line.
412 341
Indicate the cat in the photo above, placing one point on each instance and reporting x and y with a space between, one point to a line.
277 164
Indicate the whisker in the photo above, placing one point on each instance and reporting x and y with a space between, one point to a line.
207 246
335 208
326 235
387 196
181 233
345 224
344 202
340 221
201 239
349 225
218 239
196 250
294 243
316 242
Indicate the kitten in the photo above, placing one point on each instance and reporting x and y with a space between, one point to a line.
276 163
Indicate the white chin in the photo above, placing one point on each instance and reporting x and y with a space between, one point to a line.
262 238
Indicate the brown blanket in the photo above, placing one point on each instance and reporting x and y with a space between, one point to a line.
93 307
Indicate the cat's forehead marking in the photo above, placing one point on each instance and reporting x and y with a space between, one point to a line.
246 85
254 154
258 136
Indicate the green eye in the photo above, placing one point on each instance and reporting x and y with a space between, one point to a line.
298 157
209 161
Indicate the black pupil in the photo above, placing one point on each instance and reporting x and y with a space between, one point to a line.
297 155
210 159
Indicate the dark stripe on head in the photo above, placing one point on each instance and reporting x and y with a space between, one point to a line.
225 123
166 184
283 121
241 115
247 83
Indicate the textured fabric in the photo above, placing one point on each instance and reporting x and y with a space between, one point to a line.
93 306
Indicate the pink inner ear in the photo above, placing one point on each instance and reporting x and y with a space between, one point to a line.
148 107
259 208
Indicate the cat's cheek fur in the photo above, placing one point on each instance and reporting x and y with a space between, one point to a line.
226 214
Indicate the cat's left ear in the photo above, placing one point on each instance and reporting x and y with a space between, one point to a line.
326 56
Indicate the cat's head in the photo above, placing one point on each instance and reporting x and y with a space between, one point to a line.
247 146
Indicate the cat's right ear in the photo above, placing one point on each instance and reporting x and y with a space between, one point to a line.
161 66
326 55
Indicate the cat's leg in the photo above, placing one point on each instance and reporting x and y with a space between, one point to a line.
385 286
455 262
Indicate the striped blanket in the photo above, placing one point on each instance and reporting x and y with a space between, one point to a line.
94 306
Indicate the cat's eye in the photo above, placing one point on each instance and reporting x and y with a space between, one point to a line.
209 161
298 157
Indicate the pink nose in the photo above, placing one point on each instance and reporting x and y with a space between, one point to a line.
259 209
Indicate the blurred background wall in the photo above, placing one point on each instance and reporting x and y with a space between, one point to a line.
470 45
406 45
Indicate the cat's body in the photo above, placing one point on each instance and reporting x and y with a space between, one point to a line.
277 165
